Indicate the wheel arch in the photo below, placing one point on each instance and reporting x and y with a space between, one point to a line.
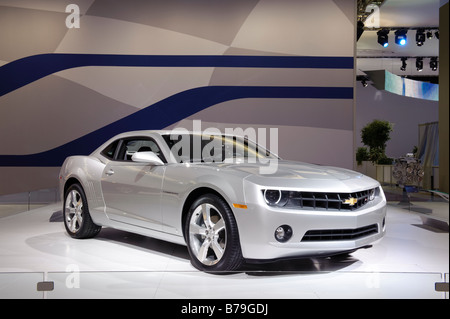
70 182
194 195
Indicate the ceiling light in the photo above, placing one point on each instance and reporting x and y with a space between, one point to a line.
436 34
429 35
364 83
419 64
433 64
403 67
383 37
400 37
420 37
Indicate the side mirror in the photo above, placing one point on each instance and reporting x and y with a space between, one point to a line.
147 157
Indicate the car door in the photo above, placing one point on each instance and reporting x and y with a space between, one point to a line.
131 190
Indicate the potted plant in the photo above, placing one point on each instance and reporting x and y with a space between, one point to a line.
375 136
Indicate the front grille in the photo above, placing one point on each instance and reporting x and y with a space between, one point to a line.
336 201
340 234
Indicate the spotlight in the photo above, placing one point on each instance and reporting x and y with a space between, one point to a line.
436 34
420 37
400 37
364 83
419 64
433 64
383 37
403 67
429 35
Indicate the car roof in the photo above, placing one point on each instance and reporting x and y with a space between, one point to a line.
169 132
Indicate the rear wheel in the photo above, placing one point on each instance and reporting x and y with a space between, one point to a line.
212 235
77 219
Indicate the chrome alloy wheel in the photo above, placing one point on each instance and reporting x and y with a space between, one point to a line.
207 234
74 211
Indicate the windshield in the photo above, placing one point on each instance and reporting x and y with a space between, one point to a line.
215 148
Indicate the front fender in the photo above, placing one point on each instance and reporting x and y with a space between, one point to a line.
184 183
229 187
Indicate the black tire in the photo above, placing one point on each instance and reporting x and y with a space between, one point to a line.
212 235
77 220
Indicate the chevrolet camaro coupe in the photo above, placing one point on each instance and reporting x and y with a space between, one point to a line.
212 194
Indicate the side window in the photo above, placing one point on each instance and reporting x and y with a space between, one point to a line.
130 146
110 150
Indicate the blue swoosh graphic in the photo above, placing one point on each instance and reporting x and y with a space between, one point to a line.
21 72
167 112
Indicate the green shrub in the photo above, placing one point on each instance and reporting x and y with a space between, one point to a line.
362 154
375 136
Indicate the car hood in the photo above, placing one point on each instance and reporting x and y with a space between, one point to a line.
290 174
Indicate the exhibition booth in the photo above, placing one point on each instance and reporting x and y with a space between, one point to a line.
74 74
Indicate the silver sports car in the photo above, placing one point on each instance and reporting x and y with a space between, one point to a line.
211 193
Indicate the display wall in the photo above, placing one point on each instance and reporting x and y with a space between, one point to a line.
405 113
67 85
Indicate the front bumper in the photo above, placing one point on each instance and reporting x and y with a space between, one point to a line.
257 225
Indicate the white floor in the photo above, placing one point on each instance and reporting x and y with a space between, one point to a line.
34 248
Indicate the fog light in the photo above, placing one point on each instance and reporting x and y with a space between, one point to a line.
283 233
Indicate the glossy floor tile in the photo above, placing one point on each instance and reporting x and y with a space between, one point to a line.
34 248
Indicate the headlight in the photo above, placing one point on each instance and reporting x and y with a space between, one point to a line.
372 194
275 197
272 196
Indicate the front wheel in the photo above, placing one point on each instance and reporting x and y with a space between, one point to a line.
212 235
77 219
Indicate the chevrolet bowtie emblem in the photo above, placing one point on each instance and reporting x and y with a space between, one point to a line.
351 201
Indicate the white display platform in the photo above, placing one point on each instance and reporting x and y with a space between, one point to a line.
37 254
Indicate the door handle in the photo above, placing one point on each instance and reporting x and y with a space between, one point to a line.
110 172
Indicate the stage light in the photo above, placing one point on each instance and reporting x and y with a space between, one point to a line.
400 37
419 64
433 64
403 67
383 37
429 35
436 34
420 37
364 83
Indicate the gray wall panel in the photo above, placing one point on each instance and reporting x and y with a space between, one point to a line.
65 106
25 32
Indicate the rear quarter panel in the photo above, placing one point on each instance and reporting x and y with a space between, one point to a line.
87 171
